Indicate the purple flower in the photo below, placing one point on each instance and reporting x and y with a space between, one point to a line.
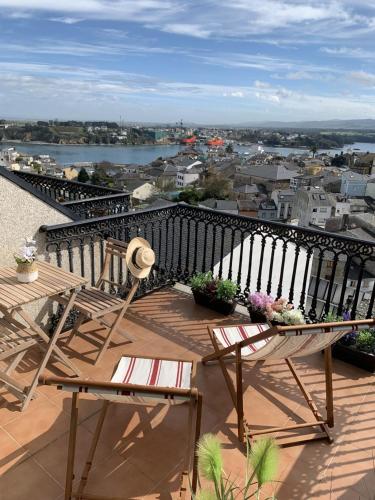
259 300
346 316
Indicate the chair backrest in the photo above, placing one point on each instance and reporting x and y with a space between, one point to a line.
113 248
303 340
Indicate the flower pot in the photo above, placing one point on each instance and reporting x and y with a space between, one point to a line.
27 272
364 360
257 316
217 305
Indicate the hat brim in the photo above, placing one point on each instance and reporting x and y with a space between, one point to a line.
135 243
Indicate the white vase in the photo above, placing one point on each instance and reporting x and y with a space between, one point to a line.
27 272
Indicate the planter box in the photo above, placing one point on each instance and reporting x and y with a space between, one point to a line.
361 359
220 306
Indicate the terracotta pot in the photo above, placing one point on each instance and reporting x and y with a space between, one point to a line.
217 305
27 272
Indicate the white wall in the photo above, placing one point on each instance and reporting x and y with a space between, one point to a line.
21 215
255 263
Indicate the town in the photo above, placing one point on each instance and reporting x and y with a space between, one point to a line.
111 133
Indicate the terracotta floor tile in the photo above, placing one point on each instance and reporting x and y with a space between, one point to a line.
351 468
53 457
115 477
42 424
26 481
11 453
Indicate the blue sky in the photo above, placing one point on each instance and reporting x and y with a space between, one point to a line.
203 61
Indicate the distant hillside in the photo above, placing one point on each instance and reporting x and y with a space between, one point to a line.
364 124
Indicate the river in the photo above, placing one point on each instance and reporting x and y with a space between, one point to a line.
68 154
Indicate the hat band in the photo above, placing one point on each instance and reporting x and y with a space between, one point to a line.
134 257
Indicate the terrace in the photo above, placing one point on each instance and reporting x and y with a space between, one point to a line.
275 258
147 464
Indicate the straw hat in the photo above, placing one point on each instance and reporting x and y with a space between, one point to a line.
139 257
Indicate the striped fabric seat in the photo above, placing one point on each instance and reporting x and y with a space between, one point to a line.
153 372
234 334
293 343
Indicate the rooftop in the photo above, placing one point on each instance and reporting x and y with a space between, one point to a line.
147 463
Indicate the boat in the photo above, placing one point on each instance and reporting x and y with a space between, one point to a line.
215 141
189 140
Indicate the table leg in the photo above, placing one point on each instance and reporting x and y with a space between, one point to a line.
51 345
63 357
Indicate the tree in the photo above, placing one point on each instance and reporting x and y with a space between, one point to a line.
229 148
83 176
338 160
99 177
313 149
190 195
216 186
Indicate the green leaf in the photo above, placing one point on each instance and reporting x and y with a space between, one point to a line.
263 457
210 461
206 495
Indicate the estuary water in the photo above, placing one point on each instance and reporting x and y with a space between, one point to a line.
69 154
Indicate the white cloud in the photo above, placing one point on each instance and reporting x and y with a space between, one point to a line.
261 85
352 52
66 20
364 78
286 19
194 30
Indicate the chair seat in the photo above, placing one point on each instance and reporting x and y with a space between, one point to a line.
153 372
95 302
231 335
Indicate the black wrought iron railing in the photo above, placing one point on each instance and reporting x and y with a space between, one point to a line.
272 257
63 189
100 205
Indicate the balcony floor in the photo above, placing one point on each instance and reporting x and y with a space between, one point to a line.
147 463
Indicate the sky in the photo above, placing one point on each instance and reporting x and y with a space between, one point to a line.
202 61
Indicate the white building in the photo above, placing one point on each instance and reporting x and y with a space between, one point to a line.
186 177
312 207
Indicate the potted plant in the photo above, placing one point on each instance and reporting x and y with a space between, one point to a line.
257 306
261 464
214 293
357 348
27 270
282 312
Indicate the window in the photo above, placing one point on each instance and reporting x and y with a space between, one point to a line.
314 209
323 210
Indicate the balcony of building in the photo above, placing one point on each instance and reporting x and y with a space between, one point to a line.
84 201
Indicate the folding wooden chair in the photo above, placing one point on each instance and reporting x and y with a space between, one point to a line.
15 341
259 342
140 380
95 303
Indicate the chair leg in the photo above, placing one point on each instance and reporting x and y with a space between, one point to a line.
75 329
329 386
94 444
239 395
72 447
198 419
116 324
